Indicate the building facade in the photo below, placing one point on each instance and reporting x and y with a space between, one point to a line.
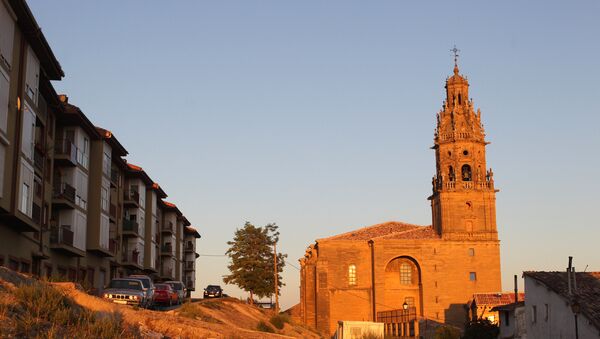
431 271
71 206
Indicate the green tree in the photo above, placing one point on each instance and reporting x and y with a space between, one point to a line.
252 260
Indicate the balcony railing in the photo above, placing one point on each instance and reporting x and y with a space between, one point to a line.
132 196
38 158
189 246
131 226
61 235
167 272
189 265
62 190
132 257
112 245
168 227
113 211
114 176
36 213
64 148
167 248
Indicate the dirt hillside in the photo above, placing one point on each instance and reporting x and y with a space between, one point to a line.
22 315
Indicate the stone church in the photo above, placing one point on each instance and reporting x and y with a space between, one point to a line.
433 270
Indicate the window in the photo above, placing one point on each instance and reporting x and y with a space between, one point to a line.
451 173
547 312
106 164
533 314
32 78
25 267
472 276
4 83
506 318
104 199
28 135
405 274
466 173
25 192
471 252
7 27
13 264
352 275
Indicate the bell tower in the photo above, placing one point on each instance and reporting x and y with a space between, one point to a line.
463 202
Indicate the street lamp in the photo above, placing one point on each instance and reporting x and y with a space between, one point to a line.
405 306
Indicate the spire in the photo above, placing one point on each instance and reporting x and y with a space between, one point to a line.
455 50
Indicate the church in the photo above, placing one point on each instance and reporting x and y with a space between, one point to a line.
426 272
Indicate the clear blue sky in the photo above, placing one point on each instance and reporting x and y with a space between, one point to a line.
319 115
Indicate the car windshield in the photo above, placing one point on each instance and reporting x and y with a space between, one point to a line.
176 286
145 281
213 287
126 284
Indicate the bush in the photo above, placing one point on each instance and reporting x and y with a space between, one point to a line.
279 320
481 329
264 327
446 332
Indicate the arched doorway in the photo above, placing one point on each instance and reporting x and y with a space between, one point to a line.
403 284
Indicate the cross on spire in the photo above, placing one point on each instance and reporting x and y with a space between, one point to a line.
455 51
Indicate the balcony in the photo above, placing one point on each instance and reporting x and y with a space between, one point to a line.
36 214
38 158
190 284
166 250
112 213
114 178
189 266
131 198
167 273
168 228
65 153
131 228
61 239
63 195
112 246
189 247
132 259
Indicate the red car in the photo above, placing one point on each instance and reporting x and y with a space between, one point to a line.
164 294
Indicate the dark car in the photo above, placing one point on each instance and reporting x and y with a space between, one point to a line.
213 291
148 288
179 287
125 291
164 294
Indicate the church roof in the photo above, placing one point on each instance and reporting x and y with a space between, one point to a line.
587 293
387 230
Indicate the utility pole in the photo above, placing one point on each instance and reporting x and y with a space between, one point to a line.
276 278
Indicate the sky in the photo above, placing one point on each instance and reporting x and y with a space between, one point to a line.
319 115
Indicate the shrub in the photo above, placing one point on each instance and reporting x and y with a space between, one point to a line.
481 329
264 327
446 332
279 320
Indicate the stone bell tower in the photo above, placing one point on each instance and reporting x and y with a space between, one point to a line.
463 202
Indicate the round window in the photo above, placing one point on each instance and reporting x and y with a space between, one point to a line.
465 152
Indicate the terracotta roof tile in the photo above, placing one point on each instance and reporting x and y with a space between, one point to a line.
587 293
375 231
496 299
419 232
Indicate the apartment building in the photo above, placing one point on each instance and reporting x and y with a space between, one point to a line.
28 109
71 206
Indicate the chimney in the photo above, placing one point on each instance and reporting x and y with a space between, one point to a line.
63 98
516 290
569 273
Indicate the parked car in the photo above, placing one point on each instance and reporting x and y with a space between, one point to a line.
125 291
213 291
148 286
164 294
180 288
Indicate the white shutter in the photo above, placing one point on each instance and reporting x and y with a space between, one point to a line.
79 231
4 84
27 135
104 231
32 78
26 188
7 33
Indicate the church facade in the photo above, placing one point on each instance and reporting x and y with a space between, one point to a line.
432 270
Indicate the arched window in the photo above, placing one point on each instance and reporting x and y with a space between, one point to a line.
352 275
466 173
451 173
405 273
459 99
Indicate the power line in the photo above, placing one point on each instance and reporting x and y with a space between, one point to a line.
212 255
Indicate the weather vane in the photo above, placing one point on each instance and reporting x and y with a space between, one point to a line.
455 50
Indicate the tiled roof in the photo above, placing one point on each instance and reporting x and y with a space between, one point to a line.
496 299
134 167
587 293
419 232
385 229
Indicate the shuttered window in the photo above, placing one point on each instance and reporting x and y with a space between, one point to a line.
7 33
32 75
4 84
26 184
27 136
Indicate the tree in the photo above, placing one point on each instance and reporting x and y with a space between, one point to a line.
252 260
481 329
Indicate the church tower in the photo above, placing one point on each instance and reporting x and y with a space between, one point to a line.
463 202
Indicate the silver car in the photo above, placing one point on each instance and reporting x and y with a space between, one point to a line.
147 287
178 287
126 291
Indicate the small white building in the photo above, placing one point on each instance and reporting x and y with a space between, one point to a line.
556 309
511 320
359 329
